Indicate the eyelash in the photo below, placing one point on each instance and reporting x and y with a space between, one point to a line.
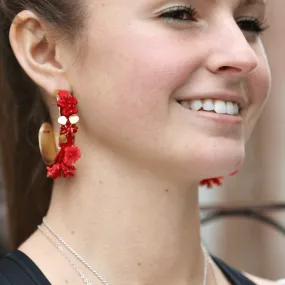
247 24
173 13
252 24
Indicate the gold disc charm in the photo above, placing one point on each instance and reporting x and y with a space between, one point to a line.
47 143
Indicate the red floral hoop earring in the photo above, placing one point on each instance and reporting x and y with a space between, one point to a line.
218 181
60 163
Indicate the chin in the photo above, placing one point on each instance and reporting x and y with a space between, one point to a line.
216 158
222 161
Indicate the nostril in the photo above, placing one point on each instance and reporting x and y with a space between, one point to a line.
224 68
233 69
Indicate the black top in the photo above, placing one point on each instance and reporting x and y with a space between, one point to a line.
16 268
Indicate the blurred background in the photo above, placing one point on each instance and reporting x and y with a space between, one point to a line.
244 243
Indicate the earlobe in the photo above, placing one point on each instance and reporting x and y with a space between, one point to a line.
36 50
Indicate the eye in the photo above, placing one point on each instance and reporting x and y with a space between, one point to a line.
251 24
179 13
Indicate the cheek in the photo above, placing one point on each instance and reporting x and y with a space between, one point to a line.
259 84
129 83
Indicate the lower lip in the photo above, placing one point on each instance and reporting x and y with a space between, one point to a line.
220 118
217 118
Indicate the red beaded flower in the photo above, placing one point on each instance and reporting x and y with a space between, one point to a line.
68 153
68 129
210 183
67 103
61 170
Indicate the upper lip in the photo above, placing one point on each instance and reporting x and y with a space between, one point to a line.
224 96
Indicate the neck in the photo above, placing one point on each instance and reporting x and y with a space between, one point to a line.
132 227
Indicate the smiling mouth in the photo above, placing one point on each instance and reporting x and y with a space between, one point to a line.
214 106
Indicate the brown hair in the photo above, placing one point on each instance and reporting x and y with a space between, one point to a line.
23 110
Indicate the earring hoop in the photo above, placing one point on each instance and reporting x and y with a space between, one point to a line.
60 163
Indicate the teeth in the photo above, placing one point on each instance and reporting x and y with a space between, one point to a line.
196 105
218 106
208 105
236 109
230 108
185 104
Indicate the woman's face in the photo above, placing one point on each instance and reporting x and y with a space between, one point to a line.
143 57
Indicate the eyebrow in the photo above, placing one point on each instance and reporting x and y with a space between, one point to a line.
253 2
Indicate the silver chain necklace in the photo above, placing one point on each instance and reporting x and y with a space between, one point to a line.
87 265
211 262
213 271
60 249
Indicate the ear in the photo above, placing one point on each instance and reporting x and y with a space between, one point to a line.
34 45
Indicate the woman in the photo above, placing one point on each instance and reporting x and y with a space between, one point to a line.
167 93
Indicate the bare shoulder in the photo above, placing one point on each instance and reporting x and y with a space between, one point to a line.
261 281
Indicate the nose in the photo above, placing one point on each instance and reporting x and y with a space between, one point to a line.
231 54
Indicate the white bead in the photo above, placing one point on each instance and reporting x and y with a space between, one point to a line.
74 119
62 120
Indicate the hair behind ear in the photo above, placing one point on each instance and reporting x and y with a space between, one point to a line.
28 191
